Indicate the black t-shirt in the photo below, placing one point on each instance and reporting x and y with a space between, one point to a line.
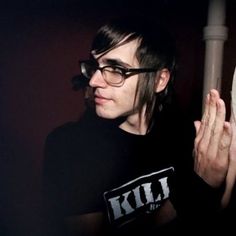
94 166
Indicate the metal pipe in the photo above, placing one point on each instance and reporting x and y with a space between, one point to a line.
214 34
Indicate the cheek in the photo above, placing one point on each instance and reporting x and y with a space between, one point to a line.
127 96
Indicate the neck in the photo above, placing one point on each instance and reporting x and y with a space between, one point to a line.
135 124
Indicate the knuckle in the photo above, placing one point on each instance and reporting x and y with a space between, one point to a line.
202 149
224 144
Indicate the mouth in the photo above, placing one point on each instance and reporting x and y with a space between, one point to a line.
99 100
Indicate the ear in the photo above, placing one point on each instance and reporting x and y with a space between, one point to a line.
162 79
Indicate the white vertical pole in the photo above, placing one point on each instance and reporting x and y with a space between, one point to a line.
214 34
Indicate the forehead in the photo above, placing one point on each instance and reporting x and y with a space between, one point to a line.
125 52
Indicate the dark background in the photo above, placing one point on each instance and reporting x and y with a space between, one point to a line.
40 44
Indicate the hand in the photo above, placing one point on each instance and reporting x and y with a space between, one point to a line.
212 141
231 175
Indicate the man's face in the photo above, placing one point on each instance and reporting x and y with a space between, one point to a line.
112 102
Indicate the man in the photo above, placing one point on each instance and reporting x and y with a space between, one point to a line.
131 164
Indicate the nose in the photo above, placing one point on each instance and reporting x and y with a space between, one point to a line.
97 80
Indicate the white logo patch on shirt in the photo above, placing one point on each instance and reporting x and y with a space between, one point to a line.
141 195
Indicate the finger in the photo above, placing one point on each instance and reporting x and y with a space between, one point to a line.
218 134
200 127
231 175
224 146
233 142
209 121
197 125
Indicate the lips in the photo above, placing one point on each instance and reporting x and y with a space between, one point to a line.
100 99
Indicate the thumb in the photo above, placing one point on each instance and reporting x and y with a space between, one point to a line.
197 125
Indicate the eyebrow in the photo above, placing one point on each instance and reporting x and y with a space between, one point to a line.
116 62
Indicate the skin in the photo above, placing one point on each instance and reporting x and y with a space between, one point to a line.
112 102
231 175
213 133
212 142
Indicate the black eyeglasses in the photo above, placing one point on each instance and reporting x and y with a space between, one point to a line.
114 75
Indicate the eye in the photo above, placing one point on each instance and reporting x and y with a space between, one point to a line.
115 69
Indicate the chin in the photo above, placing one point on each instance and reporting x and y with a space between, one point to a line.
105 115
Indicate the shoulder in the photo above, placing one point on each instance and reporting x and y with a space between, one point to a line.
63 133
89 126
68 141
70 127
